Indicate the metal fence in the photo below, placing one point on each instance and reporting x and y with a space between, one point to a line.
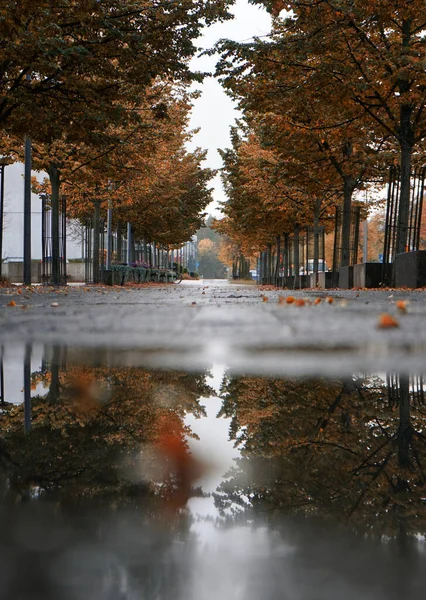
414 211
46 241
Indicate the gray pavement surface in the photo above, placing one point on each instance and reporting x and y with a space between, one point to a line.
194 324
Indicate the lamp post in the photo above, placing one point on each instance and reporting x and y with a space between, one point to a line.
4 161
27 212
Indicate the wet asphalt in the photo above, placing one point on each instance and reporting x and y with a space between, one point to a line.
246 327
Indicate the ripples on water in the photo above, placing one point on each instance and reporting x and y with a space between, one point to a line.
121 482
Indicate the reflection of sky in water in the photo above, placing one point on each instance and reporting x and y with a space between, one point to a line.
213 449
13 368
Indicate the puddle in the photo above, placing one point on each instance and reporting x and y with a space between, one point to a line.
121 481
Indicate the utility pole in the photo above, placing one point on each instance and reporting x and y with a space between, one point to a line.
109 239
27 212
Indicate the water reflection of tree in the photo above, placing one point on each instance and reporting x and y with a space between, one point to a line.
102 435
105 473
352 450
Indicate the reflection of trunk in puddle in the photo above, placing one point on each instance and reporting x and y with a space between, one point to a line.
2 399
405 430
27 389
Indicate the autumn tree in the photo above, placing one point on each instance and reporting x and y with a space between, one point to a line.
149 179
267 197
321 144
79 59
70 70
367 58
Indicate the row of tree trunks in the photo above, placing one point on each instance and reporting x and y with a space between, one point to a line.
289 256
241 268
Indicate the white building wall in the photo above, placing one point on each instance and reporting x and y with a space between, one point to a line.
13 231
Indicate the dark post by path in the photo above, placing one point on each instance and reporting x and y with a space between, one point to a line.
27 213
96 236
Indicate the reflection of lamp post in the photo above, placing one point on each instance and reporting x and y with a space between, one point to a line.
4 160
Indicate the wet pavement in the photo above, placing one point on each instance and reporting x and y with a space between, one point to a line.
204 440
195 323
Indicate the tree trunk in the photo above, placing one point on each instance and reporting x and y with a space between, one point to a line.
286 257
277 262
296 257
119 257
404 195
406 140
316 243
55 182
348 188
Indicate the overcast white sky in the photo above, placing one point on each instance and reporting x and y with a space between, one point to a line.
214 112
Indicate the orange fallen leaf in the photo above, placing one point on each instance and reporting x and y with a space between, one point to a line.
299 302
387 321
19 291
317 301
329 299
401 305
265 298
289 299
11 303
281 299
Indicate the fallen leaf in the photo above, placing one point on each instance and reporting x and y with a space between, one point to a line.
54 304
387 321
281 299
317 301
401 305
289 299
11 303
265 298
329 299
194 303
299 302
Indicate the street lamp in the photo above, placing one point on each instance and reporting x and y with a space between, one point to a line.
4 161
